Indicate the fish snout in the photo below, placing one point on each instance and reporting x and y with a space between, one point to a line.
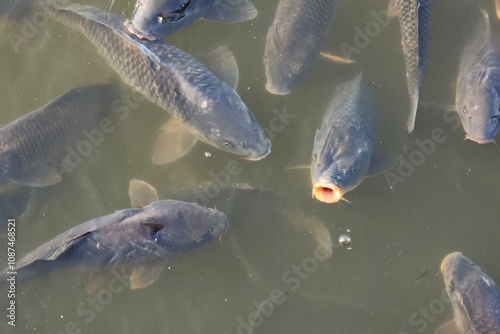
260 152
480 140
447 260
138 31
276 90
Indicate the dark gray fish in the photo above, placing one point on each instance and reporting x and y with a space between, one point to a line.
415 22
210 109
294 41
478 85
33 146
16 9
474 296
156 18
143 238
343 153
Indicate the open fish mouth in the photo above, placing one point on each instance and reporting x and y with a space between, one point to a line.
327 192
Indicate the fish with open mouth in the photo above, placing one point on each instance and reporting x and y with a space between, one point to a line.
344 146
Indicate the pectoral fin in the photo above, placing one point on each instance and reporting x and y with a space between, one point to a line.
222 64
145 274
228 12
141 193
96 281
40 176
497 5
336 59
173 142
448 328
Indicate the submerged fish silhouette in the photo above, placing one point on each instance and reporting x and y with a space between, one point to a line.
143 238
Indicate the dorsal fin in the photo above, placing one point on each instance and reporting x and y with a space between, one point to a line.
141 193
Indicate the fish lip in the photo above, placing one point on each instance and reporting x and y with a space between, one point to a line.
259 157
336 195
480 140
275 90
133 30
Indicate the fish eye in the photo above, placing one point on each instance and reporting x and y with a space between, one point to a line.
465 110
451 286
227 143
344 171
315 157
494 119
211 229
243 144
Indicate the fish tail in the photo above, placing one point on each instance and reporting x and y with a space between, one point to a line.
410 124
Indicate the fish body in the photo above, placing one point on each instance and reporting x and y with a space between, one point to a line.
32 144
128 237
294 41
156 18
210 109
477 98
415 22
16 9
474 296
344 145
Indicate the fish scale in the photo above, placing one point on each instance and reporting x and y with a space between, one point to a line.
415 19
294 41
41 136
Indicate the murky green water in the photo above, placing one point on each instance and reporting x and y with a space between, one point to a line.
389 282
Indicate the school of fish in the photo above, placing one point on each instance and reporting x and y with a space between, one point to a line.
202 99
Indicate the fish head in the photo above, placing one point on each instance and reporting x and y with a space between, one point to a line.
332 177
184 226
11 166
287 59
470 289
151 19
223 121
479 108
